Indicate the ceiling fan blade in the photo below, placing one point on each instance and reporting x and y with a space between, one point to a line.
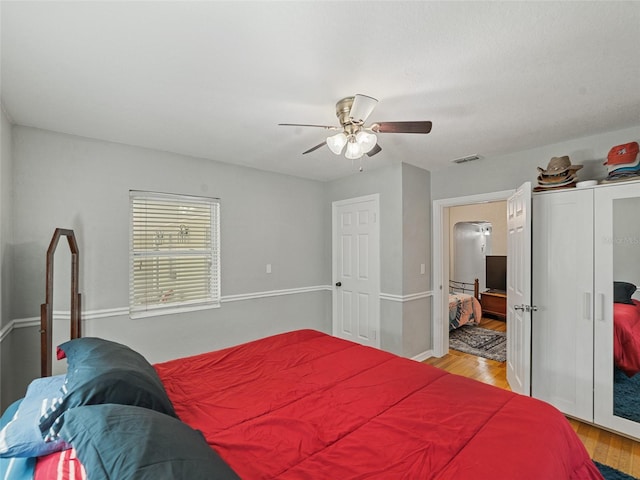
313 149
326 127
402 127
362 107
374 150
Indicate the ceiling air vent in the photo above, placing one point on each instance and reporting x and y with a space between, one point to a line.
469 158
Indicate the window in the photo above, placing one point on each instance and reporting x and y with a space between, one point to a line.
174 253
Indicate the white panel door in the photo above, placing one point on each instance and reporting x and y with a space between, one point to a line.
519 290
356 270
562 290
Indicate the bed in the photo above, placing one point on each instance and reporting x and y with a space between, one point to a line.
296 405
464 304
626 328
626 345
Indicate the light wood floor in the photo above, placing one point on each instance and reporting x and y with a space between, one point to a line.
603 446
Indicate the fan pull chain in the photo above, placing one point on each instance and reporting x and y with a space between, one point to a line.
360 167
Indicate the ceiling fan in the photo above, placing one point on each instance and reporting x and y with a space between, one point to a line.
352 113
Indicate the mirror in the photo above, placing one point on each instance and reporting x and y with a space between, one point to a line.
626 308
61 303
48 309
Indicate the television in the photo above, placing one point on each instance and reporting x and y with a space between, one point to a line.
496 273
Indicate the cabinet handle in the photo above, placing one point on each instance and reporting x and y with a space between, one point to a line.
587 306
600 307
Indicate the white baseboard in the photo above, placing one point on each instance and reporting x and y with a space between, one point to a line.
421 357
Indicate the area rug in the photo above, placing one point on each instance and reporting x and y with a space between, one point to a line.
626 392
479 341
610 473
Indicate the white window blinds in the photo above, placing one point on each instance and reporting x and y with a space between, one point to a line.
174 253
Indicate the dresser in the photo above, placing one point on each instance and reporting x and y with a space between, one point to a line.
494 304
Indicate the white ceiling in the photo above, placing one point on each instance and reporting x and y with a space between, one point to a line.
213 79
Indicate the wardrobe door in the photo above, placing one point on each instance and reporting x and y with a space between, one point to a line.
562 291
617 325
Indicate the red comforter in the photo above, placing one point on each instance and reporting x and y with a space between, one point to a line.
305 405
626 345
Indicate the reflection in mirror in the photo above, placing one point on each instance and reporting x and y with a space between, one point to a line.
626 308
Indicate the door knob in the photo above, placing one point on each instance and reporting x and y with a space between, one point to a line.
338 284
526 308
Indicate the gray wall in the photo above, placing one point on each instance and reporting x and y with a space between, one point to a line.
79 183
6 192
497 173
405 233
65 181
72 182
505 172
416 242
387 182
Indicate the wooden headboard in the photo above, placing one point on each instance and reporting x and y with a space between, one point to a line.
465 287
46 309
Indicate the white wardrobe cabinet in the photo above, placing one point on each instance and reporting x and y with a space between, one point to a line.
583 240
562 289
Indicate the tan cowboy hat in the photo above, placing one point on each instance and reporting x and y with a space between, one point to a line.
557 179
559 165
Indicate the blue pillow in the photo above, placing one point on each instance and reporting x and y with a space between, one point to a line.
20 436
100 371
126 442
15 468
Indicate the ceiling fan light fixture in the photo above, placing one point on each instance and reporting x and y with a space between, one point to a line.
354 150
366 140
362 107
358 138
337 142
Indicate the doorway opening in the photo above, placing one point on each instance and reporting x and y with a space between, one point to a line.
482 208
477 256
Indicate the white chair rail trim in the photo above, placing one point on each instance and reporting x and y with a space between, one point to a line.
405 298
121 311
273 293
